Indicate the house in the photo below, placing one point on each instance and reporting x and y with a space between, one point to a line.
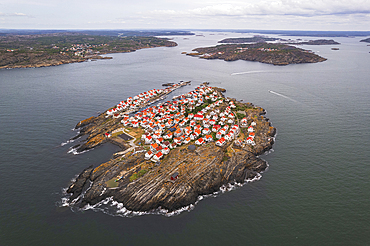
230 121
159 148
250 141
138 150
157 157
173 145
216 128
166 144
174 176
107 135
250 129
178 132
209 138
144 136
153 146
177 141
200 141
251 134
221 142
197 132
253 123
187 140
148 139
148 155
165 151
159 140
206 131
168 136
198 117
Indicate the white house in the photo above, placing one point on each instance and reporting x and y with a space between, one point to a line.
221 142
200 141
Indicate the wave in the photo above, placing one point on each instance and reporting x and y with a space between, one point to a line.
69 141
75 152
281 95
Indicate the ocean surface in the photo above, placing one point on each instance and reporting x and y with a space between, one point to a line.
316 190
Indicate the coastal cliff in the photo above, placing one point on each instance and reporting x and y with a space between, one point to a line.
188 171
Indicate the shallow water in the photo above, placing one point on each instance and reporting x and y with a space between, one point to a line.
316 190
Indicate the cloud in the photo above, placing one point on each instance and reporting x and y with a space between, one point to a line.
279 7
14 15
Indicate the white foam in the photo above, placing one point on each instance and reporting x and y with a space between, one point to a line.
75 152
69 141
111 207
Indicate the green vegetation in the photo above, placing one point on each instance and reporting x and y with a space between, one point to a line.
138 174
240 116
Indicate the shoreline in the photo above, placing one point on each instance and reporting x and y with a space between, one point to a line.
144 183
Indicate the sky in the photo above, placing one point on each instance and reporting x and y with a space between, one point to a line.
320 15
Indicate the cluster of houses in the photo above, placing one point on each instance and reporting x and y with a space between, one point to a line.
131 104
269 49
206 55
176 122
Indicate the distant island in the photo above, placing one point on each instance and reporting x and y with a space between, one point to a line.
276 54
367 40
318 42
173 152
262 39
255 39
50 49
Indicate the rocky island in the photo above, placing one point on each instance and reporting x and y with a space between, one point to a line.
276 54
255 39
319 42
173 152
366 40
51 49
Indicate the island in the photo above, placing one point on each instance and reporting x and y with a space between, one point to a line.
174 152
366 40
262 39
51 49
318 42
276 54
254 39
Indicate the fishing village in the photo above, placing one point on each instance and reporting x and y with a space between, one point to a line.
200 138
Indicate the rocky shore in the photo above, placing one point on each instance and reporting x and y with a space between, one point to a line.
188 171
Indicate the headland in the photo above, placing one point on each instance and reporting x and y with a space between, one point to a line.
52 49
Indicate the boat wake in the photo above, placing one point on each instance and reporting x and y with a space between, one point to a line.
249 72
281 95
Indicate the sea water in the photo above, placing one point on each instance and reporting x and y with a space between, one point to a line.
315 192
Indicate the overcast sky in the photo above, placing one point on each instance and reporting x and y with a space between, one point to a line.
346 15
